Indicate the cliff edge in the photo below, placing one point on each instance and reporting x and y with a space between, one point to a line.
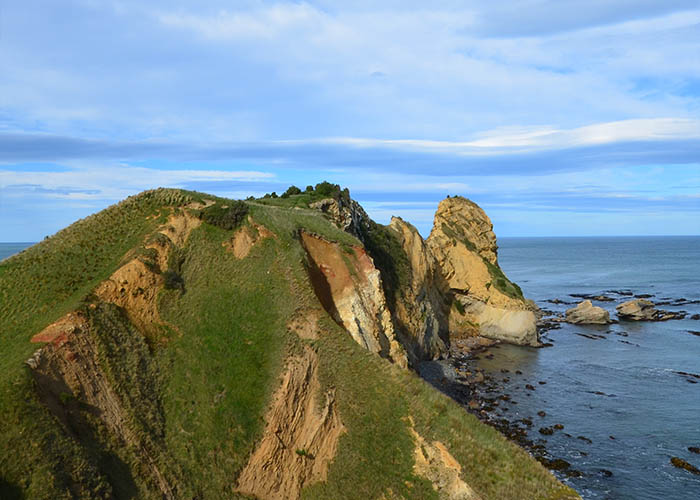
181 345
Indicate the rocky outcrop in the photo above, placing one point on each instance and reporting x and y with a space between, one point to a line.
300 440
456 288
485 301
87 391
420 314
644 310
350 289
345 213
587 314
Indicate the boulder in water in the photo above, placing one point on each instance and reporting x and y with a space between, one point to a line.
587 314
644 310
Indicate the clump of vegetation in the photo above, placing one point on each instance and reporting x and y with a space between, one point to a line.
291 191
503 284
295 197
227 216
149 257
458 236
384 247
173 281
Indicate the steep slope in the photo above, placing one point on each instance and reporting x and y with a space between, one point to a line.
447 287
172 365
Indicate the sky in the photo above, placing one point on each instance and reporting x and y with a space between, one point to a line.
558 117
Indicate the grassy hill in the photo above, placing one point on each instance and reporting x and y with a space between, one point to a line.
163 384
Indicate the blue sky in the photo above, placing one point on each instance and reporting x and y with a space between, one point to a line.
559 117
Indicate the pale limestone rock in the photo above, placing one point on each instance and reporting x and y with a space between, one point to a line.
347 215
637 310
644 310
516 326
486 302
587 314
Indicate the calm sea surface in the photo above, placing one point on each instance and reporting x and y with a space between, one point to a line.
623 390
624 385
7 249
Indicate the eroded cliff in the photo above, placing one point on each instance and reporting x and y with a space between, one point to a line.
219 356
449 286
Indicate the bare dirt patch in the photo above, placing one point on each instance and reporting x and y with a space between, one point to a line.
245 238
435 463
58 331
304 323
299 441
179 227
135 288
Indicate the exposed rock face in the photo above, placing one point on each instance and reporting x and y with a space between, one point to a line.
135 285
486 302
347 215
299 440
420 313
587 314
637 310
644 310
245 238
457 289
73 384
349 287
434 462
460 219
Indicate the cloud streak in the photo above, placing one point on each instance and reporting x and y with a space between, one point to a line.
522 152
543 107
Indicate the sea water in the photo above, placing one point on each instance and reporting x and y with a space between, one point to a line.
9 249
619 386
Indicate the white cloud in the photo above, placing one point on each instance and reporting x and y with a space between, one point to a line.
523 139
117 181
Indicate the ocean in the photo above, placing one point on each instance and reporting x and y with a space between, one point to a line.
8 249
626 394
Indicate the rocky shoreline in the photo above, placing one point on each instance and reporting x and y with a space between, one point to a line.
485 395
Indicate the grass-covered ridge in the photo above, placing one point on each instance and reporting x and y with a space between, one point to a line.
197 401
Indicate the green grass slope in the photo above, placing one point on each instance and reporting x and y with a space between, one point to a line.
196 402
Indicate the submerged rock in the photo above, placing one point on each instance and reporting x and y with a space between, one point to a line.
682 464
587 314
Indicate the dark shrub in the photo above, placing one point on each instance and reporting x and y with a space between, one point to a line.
173 281
226 218
327 189
292 190
309 189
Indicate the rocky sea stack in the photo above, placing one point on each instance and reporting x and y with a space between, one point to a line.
181 345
